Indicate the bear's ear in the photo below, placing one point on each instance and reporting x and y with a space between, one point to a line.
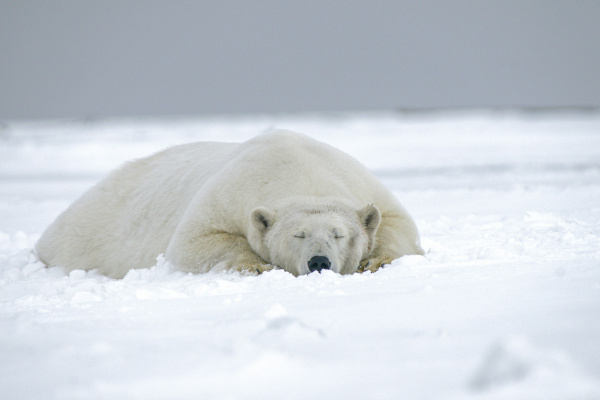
370 217
262 218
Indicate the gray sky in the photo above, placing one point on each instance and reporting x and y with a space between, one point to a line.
112 58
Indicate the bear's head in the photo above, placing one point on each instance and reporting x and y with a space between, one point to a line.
301 239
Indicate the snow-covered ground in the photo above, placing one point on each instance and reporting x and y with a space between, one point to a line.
505 305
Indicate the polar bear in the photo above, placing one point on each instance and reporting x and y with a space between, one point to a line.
279 200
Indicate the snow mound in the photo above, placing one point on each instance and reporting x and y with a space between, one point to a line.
513 368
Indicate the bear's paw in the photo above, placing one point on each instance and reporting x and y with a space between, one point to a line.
253 269
373 264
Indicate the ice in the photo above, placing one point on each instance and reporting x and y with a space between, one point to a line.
504 305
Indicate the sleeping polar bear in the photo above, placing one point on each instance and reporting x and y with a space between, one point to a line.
278 200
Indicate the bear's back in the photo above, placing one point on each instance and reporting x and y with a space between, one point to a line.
285 164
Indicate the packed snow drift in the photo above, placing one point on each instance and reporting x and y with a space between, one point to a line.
504 305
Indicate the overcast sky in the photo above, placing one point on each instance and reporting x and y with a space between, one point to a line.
126 58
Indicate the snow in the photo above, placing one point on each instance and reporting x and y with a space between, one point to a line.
505 304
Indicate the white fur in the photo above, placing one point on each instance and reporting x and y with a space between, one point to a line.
243 205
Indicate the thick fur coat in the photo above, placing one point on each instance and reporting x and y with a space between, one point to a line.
278 200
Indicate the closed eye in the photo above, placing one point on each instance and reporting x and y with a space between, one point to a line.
300 235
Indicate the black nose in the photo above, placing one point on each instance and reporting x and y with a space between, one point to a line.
317 263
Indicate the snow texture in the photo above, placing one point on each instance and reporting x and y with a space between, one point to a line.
505 304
